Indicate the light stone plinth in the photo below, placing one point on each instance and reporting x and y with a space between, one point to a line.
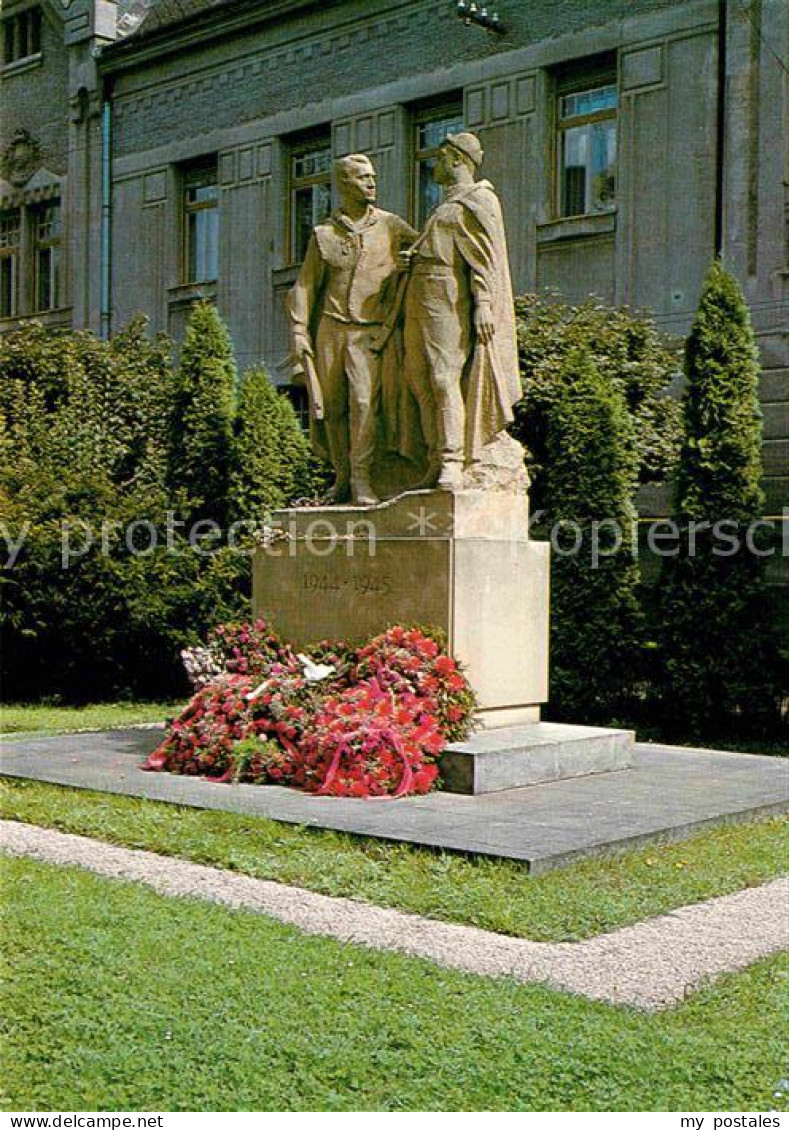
462 562
517 757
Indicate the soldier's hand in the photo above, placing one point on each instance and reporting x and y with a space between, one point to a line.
302 345
484 324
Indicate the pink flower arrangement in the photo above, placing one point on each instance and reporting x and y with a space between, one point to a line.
201 740
246 649
372 723
367 742
407 661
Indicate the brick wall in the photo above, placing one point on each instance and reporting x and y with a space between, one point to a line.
35 99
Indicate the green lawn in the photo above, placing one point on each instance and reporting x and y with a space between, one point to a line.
584 899
116 998
19 718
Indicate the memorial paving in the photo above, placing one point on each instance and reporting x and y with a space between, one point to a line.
668 793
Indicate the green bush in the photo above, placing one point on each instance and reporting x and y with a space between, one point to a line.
84 448
274 463
627 351
591 479
720 658
102 445
84 408
201 422
112 623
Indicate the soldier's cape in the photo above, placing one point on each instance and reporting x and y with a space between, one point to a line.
490 381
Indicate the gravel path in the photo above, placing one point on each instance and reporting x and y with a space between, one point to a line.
650 965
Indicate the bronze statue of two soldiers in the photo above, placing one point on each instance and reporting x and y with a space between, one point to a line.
407 340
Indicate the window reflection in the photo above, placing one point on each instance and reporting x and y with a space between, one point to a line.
587 151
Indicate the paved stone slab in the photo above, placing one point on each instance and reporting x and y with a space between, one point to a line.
667 794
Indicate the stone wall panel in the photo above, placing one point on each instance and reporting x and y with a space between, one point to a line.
363 52
242 294
140 254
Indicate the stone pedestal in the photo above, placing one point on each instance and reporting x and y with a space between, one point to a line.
462 562
459 561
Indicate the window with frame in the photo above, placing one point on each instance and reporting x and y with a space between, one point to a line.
22 35
200 223
586 145
46 253
299 398
431 126
310 192
10 242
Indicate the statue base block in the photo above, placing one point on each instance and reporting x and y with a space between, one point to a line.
519 756
462 562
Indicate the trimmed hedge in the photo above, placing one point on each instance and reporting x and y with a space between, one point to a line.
100 439
201 420
273 461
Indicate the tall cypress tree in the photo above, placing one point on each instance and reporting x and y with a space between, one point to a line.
201 426
273 463
720 464
592 477
719 651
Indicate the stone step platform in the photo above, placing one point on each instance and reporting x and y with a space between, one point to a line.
515 757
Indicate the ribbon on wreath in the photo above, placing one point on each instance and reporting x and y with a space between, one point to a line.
406 781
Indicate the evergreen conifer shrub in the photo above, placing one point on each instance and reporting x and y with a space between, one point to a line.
720 658
201 422
274 463
101 596
101 445
591 479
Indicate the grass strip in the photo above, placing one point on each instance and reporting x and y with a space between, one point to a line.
116 998
19 718
587 898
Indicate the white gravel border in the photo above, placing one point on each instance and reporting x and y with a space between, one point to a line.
650 965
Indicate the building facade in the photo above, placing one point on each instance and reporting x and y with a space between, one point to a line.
156 151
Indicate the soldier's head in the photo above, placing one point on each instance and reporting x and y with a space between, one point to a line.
458 159
355 179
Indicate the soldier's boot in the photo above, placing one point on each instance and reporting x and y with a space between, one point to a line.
451 475
362 493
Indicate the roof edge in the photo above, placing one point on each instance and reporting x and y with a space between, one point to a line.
182 34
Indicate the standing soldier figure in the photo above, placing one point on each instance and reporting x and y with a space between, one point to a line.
461 358
337 306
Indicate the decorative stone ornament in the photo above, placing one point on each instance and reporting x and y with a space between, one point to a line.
21 159
85 105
